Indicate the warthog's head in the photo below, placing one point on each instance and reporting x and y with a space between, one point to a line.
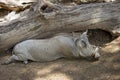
85 48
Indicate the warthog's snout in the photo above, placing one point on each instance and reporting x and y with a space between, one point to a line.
96 55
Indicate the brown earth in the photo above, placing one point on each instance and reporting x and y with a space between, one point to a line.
106 68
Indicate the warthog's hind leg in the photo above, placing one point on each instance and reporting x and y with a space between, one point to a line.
10 60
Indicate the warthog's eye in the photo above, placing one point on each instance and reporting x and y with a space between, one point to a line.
83 43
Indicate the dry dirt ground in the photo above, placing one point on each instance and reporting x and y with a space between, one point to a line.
106 68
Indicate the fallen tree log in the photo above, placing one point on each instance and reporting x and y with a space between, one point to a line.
44 19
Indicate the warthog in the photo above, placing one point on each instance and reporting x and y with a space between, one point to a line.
53 48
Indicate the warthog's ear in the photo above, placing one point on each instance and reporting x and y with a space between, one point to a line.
84 33
84 36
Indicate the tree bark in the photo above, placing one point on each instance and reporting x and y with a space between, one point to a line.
44 19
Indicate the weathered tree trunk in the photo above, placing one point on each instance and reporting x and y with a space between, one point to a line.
44 19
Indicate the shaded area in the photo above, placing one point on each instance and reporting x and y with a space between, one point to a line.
99 37
3 13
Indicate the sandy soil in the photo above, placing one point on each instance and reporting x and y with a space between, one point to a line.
106 68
